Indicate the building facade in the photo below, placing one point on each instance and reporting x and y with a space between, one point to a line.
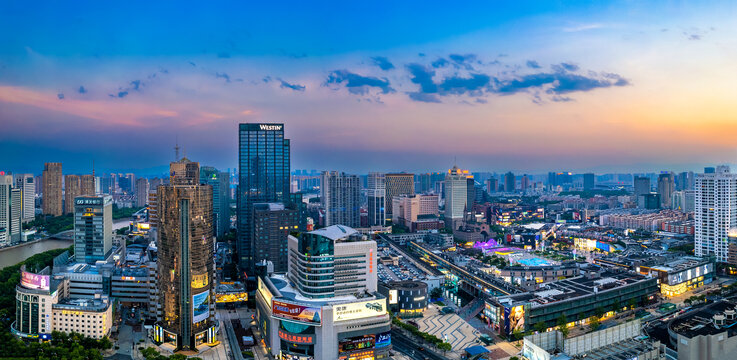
272 224
220 198
26 184
397 184
641 186
185 261
456 195
327 307
72 189
715 212
141 192
263 170
93 228
10 211
666 187
88 186
341 199
376 199
52 190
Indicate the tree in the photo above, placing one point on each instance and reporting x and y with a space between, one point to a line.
594 323
436 293
563 325
517 334
616 306
600 312
632 303
445 346
540 327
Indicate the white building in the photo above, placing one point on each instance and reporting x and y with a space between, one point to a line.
456 195
27 186
376 197
10 211
327 306
715 212
341 198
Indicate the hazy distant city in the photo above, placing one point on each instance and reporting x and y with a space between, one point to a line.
411 181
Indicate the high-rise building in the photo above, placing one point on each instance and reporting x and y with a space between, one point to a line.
184 172
141 192
551 180
93 228
10 211
72 189
327 306
375 196
715 212
263 170
492 185
470 192
220 198
272 224
641 186
87 185
27 186
666 186
589 180
509 182
185 261
456 195
397 184
52 192
407 209
341 200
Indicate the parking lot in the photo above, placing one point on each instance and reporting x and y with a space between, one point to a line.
401 270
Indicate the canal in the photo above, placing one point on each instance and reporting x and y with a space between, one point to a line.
14 255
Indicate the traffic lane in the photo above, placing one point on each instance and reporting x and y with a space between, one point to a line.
409 347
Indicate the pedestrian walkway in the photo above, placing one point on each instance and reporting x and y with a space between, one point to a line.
450 328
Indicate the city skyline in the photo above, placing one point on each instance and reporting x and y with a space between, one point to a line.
598 87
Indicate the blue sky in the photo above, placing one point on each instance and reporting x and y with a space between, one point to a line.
529 86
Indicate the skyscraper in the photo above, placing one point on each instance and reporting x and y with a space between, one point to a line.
52 194
340 196
272 224
263 170
141 192
715 212
397 184
220 198
72 189
641 186
589 180
666 186
376 199
470 192
87 185
185 260
492 185
456 195
10 211
27 186
93 228
509 182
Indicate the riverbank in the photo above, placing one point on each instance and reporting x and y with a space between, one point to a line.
15 254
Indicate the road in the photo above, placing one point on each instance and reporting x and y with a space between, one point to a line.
408 346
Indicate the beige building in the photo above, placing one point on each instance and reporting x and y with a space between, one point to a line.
52 194
87 185
406 208
89 317
397 184
72 189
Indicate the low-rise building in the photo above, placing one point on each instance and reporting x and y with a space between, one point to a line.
89 317
406 298
707 334
681 275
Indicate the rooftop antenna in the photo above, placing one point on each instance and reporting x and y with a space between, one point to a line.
176 149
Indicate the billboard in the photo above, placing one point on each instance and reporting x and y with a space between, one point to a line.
34 281
295 312
393 296
357 343
200 307
359 310
383 339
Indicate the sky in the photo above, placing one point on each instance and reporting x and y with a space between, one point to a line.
604 86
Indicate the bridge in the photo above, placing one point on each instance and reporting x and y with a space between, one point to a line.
487 286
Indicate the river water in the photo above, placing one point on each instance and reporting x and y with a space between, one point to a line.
17 254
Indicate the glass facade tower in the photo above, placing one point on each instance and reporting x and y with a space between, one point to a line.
264 171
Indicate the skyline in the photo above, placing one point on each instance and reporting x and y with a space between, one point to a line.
598 87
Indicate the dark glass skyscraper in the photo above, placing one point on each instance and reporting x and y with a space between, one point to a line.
263 168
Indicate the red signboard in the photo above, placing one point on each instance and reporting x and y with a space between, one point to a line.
295 312
298 339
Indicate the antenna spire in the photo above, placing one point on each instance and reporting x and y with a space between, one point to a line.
176 149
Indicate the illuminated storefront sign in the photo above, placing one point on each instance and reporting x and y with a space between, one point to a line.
360 310
295 312
265 293
231 297
357 343
383 339
297 339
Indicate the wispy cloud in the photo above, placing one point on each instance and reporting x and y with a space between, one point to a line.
583 27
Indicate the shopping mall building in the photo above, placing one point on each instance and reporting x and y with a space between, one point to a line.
326 306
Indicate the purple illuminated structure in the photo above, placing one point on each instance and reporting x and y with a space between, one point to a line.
491 243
